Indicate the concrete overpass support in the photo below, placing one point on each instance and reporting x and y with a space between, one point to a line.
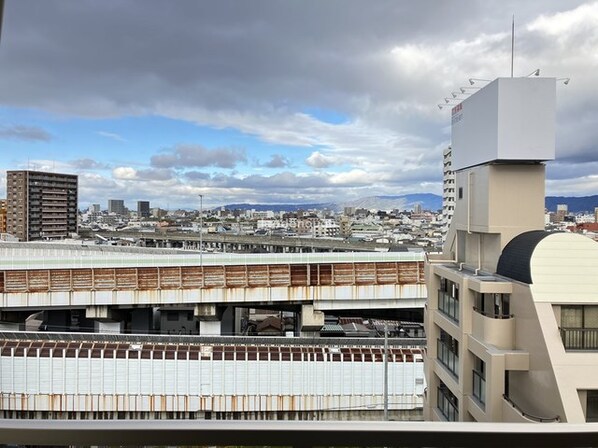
106 319
311 321
210 319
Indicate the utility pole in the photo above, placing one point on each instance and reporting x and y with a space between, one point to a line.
201 232
385 371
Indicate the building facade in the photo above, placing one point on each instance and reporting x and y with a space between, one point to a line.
143 209
448 191
512 312
2 215
116 206
41 205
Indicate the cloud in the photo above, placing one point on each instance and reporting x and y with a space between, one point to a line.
112 135
28 133
87 164
319 160
277 161
189 156
150 174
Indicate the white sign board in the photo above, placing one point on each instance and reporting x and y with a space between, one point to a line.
510 119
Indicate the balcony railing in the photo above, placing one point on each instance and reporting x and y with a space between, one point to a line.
448 305
447 405
479 387
492 315
580 338
448 358
532 417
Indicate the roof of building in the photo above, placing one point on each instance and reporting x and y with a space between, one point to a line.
515 260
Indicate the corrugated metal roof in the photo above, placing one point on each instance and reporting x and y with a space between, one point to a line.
514 262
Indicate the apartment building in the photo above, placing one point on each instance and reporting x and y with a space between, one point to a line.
41 205
448 191
117 206
512 312
2 215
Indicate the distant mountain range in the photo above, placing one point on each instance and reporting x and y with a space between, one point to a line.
428 201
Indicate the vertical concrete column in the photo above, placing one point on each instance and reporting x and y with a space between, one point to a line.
106 319
210 319
311 321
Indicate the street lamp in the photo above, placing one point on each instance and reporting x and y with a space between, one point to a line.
201 232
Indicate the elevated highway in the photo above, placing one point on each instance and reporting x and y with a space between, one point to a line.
101 280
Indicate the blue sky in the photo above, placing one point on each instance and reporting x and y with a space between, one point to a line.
272 102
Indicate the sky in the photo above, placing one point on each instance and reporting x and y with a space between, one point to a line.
276 102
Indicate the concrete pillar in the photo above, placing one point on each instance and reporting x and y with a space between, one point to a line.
311 320
210 318
113 327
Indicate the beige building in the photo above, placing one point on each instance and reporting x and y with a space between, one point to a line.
448 191
512 312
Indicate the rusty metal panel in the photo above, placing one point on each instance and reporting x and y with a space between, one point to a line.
343 274
147 278
386 273
104 279
324 275
214 276
409 272
60 280
257 276
126 278
192 277
38 281
299 275
236 276
365 273
82 279
280 275
1 281
170 278
15 281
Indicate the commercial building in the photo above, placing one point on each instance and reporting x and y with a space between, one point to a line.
41 205
143 209
512 312
116 206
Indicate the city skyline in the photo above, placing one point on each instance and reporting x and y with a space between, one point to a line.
274 103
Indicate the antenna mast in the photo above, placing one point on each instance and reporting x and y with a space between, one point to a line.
512 44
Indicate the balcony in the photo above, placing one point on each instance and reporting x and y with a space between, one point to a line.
448 359
512 412
448 305
498 331
580 338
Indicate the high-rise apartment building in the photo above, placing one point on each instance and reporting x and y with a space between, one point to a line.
512 312
143 209
448 191
41 205
2 215
116 206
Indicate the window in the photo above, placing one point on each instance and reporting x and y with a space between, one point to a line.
494 305
479 380
592 406
448 404
460 192
579 327
448 352
448 298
